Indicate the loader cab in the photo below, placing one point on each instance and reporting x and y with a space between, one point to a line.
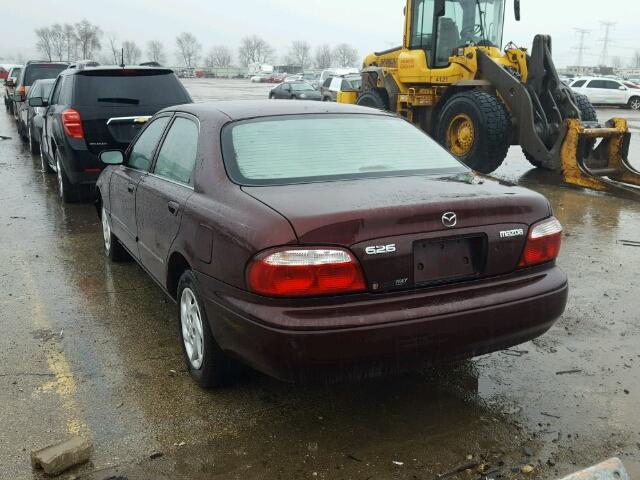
439 27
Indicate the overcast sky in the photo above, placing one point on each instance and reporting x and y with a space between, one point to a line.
367 24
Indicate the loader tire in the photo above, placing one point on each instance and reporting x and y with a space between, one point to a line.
474 126
375 98
587 112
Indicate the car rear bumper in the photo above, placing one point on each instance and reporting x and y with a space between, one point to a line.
421 328
81 166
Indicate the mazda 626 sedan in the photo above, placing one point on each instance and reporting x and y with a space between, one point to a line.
309 239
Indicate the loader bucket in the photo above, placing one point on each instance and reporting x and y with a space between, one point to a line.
597 157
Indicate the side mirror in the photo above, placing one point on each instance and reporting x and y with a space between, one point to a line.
37 102
17 97
112 157
9 83
516 6
622 87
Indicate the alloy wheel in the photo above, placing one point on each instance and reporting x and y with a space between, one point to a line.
192 330
635 104
106 230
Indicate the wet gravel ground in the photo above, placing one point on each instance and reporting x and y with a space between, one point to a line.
92 348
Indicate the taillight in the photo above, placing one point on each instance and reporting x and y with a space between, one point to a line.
543 243
22 91
72 123
305 273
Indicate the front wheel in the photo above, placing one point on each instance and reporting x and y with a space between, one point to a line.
634 103
206 362
474 126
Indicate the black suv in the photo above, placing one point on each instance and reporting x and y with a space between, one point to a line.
92 109
32 71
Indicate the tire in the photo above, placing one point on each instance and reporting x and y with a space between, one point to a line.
46 167
480 124
113 249
634 103
68 192
10 107
587 112
206 362
34 145
376 98
271 97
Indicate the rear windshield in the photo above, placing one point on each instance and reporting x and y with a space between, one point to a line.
129 88
37 72
308 148
15 73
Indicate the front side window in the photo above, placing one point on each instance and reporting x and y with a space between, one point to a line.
302 87
308 148
142 151
611 85
177 157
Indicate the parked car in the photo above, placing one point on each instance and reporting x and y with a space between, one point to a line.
294 91
361 243
336 72
98 108
631 85
260 78
4 72
276 78
605 91
329 91
33 117
10 87
32 71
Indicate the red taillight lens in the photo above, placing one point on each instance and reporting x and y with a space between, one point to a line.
72 123
22 91
305 273
543 243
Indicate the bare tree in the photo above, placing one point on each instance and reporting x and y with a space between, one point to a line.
219 57
57 41
254 50
300 53
131 52
115 49
345 55
88 38
324 57
635 60
70 41
155 51
188 49
43 45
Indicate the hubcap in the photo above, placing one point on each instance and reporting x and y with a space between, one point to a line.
192 335
60 183
106 230
635 104
461 135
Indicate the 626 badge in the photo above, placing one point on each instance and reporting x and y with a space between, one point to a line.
379 250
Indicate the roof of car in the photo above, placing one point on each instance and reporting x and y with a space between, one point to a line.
245 109
106 68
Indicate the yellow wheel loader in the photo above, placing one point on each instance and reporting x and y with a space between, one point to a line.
452 79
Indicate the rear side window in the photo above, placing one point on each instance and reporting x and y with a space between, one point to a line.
127 87
579 83
596 84
177 156
142 151
302 148
37 72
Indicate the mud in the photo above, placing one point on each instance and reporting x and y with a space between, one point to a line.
91 348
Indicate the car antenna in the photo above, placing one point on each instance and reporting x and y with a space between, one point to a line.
122 59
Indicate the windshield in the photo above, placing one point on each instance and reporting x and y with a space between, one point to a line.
296 149
479 21
301 87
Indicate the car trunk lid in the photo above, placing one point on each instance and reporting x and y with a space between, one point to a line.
395 226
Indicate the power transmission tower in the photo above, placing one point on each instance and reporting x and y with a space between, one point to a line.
604 56
583 32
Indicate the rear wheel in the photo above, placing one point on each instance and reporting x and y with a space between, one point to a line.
376 98
634 103
474 126
68 192
112 246
206 362
34 145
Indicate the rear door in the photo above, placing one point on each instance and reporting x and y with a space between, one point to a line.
596 91
125 180
110 101
162 195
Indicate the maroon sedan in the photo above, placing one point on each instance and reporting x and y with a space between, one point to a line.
311 239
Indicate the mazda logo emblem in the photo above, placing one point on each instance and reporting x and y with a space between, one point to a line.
449 219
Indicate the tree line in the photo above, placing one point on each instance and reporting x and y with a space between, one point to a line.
85 41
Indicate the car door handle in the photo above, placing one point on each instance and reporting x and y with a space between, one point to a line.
131 187
173 207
